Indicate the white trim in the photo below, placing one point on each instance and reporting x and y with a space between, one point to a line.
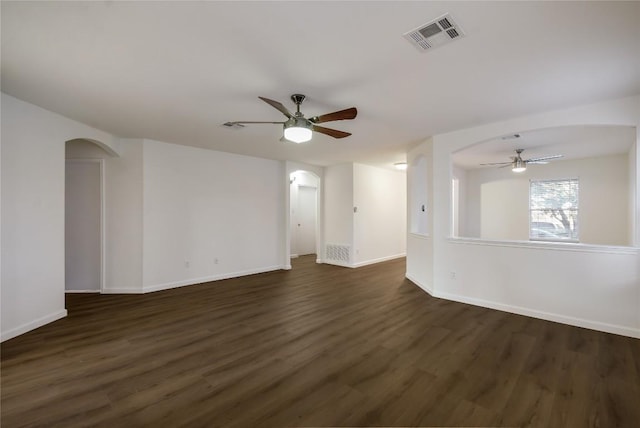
337 263
293 256
378 260
420 235
555 246
318 260
424 287
361 264
579 322
193 281
81 291
32 325
121 291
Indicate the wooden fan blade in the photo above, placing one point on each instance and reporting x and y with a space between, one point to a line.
346 114
278 106
544 158
330 132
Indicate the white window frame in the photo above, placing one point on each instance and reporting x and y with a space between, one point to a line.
572 240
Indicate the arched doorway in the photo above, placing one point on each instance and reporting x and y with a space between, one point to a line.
84 216
304 205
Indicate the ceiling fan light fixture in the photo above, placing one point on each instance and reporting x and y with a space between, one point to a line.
297 131
400 165
519 165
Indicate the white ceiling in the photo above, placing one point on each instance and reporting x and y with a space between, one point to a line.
175 71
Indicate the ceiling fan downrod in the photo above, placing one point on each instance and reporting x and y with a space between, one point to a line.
298 99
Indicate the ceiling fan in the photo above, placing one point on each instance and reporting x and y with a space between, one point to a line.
520 165
298 128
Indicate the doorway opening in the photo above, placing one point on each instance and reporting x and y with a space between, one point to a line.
304 206
84 216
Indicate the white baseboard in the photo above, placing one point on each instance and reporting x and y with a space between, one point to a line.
534 313
424 287
193 281
361 264
337 263
294 256
17 331
81 291
122 291
378 260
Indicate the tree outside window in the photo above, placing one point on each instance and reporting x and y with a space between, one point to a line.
553 208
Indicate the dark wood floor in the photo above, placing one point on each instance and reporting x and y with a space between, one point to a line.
316 346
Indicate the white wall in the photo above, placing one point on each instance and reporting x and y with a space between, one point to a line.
461 175
498 199
504 209
209 215
338 205
632 188
33 172
590 286
380 223
377 231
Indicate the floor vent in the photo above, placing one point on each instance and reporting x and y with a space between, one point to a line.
338 253
434 33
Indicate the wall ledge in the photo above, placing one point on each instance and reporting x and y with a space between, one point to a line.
552 246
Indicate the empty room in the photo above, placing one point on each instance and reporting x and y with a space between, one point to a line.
320 214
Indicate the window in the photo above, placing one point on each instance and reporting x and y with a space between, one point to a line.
553 210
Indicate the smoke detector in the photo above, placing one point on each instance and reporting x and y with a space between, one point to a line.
435 33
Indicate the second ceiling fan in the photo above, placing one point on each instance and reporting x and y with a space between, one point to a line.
298 128
520 165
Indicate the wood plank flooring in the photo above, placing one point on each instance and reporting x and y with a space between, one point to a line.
315 346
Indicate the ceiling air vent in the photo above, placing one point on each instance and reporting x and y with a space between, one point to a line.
435 33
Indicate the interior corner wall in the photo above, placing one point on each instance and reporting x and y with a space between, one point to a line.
574 281
338 207
209 215
32 249
380 223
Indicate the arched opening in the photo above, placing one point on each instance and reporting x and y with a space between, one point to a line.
304 208
578 185
84 215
